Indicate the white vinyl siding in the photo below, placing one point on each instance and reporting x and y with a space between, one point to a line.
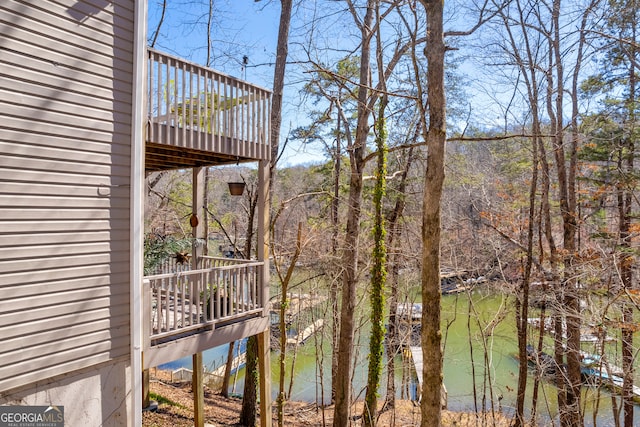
65 133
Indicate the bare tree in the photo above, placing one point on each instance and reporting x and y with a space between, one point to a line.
435 136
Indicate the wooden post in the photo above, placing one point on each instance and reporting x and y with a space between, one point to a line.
146 400
198 391
264 360
197 219
197 231
264 367
146 340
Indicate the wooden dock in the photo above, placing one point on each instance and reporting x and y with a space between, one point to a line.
238 362
305 334
416 356
612 382
588 334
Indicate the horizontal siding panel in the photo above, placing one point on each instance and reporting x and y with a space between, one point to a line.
30 69
56 177
35 227
43 326
14 67
7 291
14 98
57 214
51 312
68 154
44 276
17 339
103 77
40 21
53 299
121 133
56 357
52 262
66 71
13 240
51 38
46 371
59 200
104 15
106 124
61 249
59 67
49 350
38 141
32 93
100 15
58 165
69 192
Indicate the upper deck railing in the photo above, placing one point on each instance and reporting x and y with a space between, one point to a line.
195 107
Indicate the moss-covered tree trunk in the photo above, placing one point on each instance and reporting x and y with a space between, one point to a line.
378 275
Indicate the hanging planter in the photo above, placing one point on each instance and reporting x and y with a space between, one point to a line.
236 188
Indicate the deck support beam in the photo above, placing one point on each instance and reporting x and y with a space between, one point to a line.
197 384
146 392
197 232
264 368
264 360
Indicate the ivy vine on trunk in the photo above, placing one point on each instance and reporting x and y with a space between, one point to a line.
378 274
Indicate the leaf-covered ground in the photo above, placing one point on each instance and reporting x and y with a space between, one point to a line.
176 409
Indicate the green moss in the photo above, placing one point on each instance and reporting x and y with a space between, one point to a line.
165 400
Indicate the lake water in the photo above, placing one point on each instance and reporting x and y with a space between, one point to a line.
486 321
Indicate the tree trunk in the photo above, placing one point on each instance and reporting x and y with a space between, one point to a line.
250 396
227 370
335 284
625 199
522 301
434 177
394 258
282 51
350 246
284 303
378 275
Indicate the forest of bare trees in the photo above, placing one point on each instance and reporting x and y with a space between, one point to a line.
491 138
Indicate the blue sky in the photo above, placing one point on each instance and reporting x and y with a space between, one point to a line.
240 28
249 28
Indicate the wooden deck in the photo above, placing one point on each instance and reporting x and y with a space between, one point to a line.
192 310
199 117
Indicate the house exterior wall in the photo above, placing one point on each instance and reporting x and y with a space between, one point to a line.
66 70
96 396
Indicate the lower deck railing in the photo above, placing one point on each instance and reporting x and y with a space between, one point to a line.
183 303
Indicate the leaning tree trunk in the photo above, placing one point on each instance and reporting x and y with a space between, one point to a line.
436 136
